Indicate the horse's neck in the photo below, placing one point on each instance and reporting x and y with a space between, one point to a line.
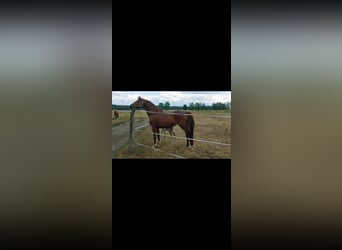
151 107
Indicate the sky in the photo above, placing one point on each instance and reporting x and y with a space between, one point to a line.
175 98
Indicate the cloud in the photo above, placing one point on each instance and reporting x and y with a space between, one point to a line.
175 98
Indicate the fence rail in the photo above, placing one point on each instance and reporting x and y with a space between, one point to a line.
138 129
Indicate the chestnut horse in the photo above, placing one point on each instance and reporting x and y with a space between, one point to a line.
160 119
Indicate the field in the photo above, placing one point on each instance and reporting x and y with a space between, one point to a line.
124 116
210 127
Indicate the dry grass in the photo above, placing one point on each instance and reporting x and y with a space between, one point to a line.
124 116
208 128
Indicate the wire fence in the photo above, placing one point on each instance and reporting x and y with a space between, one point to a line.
142 127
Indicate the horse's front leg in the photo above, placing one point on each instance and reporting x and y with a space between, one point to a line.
155 133
158 135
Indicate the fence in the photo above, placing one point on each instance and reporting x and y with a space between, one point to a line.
134 131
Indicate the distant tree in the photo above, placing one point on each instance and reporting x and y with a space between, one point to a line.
185 107
191 106
219 106
161 105
167 105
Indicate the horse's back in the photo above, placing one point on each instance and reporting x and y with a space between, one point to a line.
163 120
182 116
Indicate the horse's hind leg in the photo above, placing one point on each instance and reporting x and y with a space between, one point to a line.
192 144
189 141
158 135
187 138
154 140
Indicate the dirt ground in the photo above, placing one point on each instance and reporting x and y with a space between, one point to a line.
120 135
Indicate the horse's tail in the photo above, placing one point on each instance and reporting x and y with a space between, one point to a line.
191 127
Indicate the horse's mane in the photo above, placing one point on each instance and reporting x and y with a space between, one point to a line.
154 107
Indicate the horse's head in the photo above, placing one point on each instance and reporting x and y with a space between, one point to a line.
138 103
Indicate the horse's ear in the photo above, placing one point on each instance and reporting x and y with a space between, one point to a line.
139 98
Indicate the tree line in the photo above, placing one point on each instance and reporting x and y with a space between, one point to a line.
190 106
